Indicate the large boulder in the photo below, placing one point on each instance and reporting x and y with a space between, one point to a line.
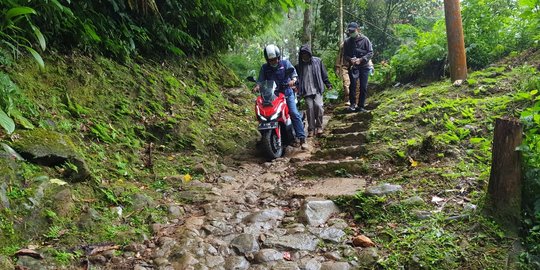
51 148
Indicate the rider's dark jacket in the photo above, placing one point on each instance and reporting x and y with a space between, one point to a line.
278 74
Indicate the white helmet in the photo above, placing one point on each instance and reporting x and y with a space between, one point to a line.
271 51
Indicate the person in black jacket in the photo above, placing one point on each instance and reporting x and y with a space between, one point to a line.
312 80
357 51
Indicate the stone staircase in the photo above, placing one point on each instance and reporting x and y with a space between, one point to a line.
337 167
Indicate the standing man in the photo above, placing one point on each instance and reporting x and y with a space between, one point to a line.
313 79
342 70
274 69
357 52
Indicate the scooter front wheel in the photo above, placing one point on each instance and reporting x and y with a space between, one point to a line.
271 144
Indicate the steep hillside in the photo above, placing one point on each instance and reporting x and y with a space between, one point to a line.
104 146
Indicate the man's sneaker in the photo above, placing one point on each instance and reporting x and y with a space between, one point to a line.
310 133
319 131
303 144
362 110
351 108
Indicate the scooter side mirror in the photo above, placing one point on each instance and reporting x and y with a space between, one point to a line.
251 79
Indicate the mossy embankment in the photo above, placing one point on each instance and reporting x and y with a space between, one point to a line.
435 141
141 128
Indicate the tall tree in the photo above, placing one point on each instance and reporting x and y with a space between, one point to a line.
307 25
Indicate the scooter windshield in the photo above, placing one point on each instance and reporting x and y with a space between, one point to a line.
267 89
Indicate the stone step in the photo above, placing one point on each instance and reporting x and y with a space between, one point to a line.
329 187
353 117
348 139
349 128
341 109
332 168
339 153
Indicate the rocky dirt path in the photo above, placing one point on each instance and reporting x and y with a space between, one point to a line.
273 215
267 215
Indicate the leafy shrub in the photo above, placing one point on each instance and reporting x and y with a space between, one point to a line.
508 28
428 51
511 26
530 149
123 28
15 29
10 100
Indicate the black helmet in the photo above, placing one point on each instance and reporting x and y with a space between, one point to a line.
271 51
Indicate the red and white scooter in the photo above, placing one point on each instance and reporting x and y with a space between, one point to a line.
275 123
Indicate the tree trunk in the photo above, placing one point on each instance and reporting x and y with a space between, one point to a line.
504 186
341 29
456 44
306 35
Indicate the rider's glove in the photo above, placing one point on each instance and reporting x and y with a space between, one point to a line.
292 82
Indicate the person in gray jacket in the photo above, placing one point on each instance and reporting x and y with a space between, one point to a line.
358 51
312 80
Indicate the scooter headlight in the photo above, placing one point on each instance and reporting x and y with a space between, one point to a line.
275 116
278 112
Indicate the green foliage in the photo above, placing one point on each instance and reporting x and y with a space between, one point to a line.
10 99
123 28
460 120
378 18
530 149
16 28
64 257
363 207
487 38
512 26
426 246
422 58
246 62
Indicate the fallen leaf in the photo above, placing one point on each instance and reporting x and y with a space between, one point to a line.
436 199
187 178
413 162
99 249
29 252
58 182
287 256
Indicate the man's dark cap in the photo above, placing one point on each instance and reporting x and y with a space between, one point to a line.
352 26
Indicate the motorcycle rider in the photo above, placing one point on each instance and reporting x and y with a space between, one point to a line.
274 69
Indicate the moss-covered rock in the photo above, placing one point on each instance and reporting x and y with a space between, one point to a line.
6 263
7 175
50 148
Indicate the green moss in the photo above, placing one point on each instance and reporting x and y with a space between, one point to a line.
41 143
133 125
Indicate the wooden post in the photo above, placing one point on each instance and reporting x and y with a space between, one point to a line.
504 186
456 43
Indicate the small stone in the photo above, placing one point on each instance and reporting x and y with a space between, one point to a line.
362 241
161 261
97 259
236 263
176 211
383 189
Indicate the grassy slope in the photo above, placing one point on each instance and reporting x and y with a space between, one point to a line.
435 141
143 128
